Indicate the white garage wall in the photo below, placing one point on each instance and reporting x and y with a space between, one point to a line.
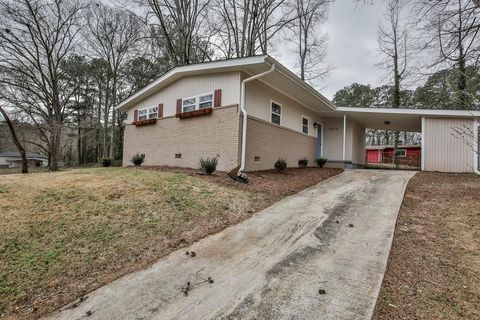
448 144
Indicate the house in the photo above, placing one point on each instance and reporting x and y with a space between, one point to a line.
198 110
14 160
406 155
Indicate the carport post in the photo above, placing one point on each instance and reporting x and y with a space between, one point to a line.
344 136
476 147
422 150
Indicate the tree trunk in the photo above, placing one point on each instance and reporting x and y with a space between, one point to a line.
114 117
112 135
19 146
79 145
55 147
462 80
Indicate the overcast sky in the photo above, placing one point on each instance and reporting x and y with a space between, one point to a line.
352 46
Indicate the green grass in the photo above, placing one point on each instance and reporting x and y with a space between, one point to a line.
64 233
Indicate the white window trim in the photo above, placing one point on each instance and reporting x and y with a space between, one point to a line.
281 112
197 100
148 113
308 125
405 155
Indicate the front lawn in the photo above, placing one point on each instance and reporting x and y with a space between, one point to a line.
64 234
434 266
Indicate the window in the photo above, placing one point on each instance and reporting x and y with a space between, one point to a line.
401 152
205 101
276 113
147 113
305 128
199 102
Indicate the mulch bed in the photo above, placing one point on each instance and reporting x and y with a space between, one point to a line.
434 266
276 184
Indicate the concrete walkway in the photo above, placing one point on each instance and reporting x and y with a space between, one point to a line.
335 236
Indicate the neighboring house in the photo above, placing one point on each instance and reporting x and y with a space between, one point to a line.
197 110
407 155
14 160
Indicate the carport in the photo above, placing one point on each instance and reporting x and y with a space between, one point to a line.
450 138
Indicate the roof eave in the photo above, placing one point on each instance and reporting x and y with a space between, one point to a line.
293 77
419 112
181 71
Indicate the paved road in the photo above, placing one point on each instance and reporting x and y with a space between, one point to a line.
334 236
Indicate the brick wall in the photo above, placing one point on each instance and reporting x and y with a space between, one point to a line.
203 136
270 142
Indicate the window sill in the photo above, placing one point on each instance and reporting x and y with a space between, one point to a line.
145 122
194 113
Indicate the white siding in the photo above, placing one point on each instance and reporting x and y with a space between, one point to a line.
358 142
444 148
333 139
258 104
186 87
354 142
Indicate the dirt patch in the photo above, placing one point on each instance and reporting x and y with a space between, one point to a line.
434 266
67 233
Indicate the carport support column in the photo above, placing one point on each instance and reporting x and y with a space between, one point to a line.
344 138
422 150
476 147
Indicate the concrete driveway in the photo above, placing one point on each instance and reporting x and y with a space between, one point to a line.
335 237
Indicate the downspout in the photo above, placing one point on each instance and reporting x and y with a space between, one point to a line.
344 137
245 115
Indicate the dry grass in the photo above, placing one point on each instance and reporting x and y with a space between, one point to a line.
4 170
64 234
434 267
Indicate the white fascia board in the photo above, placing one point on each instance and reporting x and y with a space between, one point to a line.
420 112
191 68
293 77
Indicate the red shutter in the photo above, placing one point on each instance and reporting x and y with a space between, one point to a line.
135 116
179 106
217 98
160 110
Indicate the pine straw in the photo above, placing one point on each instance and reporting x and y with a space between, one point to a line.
434 266
64 234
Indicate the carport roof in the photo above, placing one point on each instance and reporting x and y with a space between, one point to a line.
399 119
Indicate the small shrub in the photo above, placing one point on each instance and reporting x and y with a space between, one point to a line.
321 162
280 164
208 165
106 162
303 163
137 159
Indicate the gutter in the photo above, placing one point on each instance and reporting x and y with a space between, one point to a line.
245 115
344 151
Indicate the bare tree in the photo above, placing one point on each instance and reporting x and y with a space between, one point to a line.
393 44
15 139
246 27
179 25
453 33
112 36
35 38
309 41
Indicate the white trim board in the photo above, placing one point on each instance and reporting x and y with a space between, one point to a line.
419 112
